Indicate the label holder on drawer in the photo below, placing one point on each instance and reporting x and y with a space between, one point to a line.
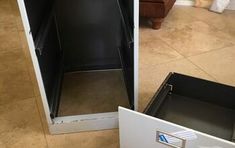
170 140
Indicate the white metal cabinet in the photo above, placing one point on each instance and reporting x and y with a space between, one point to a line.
40 20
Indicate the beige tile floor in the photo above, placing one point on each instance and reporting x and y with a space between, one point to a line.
192 41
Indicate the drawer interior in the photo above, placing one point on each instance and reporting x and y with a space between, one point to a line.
197 104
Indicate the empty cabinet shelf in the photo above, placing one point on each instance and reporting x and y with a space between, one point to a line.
92 92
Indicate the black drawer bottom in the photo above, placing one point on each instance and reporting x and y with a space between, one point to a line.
198 104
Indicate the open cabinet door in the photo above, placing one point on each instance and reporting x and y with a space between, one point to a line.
138 130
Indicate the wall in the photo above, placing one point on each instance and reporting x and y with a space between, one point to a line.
185 2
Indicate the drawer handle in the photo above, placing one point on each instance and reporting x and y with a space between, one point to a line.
170 140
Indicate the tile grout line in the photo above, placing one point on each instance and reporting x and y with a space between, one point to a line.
28 72
202 70
169 61
192 63
41 122
232 44
184 57
175 59
203 54
172 47
213 50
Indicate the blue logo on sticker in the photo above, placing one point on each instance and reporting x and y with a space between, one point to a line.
163 138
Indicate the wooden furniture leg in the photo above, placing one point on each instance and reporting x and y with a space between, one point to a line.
156 23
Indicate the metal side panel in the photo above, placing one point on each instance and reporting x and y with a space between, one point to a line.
31 45
50 58
138 130
90 33
136 53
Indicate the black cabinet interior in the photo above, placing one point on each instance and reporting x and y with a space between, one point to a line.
94 26
198 104
50 58
86 35
126 52
37 13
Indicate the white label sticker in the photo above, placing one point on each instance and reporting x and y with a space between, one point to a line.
186 135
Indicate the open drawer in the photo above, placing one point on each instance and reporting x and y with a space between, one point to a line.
185 112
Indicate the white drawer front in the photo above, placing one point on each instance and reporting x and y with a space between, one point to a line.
138 130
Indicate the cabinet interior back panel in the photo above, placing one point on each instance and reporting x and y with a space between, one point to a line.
92 92
90 33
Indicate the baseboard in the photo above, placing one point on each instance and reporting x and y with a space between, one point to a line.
184 2
231 6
